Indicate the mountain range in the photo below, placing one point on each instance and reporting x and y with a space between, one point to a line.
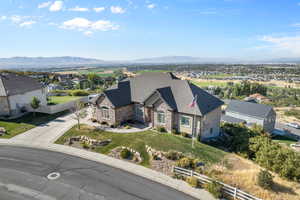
68 61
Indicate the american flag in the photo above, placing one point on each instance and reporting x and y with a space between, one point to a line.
193 103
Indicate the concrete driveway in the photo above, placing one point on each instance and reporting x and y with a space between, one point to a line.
48 132
24 171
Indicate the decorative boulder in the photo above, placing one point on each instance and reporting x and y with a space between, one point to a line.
2 131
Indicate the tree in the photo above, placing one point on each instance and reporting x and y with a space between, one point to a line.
35 104
79 112
265 179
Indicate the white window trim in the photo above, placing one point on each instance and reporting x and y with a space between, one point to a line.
105 107
184 125
164 113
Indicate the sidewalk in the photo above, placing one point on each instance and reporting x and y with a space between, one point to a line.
120 164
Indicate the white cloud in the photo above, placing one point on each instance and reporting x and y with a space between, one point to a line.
151 6
79 9
117 10
3 18
88 33
100 9
27 23
82 24
288 45
56 6
17 18
44 4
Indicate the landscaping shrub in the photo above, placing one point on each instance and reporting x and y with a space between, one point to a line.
265 179
125 154
183 134
175 131
85 145
94 120
185 162
127 127
214 188
161 129
79 93
173 155
192 181
104 123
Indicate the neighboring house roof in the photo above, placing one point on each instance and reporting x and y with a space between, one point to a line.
233 120
249 109
13 84
178 94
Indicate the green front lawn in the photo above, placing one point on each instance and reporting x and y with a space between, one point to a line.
137 141
25 123
283 139
53 100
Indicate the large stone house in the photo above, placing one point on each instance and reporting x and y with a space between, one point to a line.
250 113
161 99
16 93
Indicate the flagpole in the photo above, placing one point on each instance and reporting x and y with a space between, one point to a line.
194 128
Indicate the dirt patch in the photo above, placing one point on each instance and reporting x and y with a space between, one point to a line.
282 118
242 173
162 165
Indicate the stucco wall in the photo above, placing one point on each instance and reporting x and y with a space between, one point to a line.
22 100
4 106
211 124
103 101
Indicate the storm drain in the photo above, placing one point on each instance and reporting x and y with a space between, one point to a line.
53 176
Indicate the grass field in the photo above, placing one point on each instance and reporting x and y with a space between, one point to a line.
209 83
61 99
144 71
284 139
137 141
25 123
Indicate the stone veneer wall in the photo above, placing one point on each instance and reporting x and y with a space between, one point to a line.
124 113
161 106
103 101
4 106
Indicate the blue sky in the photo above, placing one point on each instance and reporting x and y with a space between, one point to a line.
131 29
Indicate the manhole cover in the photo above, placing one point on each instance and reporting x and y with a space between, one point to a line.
53 176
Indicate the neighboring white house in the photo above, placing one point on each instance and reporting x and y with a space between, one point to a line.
250 113
17 92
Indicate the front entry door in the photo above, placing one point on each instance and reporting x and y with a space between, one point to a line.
139 113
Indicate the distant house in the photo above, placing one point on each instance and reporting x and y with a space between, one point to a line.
161 99
250 113
52 87
257 98
16 92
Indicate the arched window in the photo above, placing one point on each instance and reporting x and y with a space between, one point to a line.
161 118
105 112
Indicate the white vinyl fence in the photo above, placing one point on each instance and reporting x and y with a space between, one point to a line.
227 189
52 109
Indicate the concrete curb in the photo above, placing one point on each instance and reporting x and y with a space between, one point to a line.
119 164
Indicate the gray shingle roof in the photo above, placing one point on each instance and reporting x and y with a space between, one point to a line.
12 84
229 119
120 96
177 93
250 109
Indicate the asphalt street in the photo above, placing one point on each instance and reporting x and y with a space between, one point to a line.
281 127
24 171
